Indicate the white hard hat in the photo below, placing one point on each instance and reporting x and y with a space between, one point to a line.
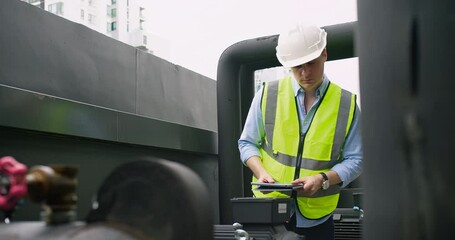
300 45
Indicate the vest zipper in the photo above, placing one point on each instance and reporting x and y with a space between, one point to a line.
299 156
297 165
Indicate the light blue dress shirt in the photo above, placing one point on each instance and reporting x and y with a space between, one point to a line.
253 132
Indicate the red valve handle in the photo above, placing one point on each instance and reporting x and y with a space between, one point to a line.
16 173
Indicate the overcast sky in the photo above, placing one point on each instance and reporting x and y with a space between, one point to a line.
198 31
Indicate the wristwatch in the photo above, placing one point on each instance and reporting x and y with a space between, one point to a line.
325 181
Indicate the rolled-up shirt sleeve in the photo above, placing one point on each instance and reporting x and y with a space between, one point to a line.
253 131
352 161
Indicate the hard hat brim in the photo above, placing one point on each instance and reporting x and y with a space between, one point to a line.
300 61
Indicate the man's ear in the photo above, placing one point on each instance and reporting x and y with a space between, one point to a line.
324 54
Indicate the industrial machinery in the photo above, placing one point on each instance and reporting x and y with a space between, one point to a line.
143 199
258 218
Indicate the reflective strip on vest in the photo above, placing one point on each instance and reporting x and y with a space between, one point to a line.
322 145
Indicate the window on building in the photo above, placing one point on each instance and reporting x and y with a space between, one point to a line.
141 25
144 40
91 18
141 12
56 8
113 2
127 26
114 12
82 14
111 26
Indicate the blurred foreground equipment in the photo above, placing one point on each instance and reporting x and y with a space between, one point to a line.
52 186
145 199
158 199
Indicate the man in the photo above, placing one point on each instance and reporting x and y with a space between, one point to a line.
305 130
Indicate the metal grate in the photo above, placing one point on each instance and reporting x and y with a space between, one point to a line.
348 223
227 232
348 230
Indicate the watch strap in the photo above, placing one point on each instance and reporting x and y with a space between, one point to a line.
325 181
324 176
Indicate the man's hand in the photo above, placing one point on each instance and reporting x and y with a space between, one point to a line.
265 177
311 184
254 163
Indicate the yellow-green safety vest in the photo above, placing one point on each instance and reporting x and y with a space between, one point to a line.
317 151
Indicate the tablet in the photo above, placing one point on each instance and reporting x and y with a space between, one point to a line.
276 186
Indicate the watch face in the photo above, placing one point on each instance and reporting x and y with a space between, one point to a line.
325 185
325 182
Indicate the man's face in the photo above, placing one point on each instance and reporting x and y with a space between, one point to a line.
309 75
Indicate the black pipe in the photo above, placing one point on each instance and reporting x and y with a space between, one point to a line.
406 80
235 90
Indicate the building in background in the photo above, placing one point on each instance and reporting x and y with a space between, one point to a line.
124 20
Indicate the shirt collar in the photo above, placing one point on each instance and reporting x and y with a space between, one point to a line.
321 89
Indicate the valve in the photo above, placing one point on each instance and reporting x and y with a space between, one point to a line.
13 185
52 186
55 187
